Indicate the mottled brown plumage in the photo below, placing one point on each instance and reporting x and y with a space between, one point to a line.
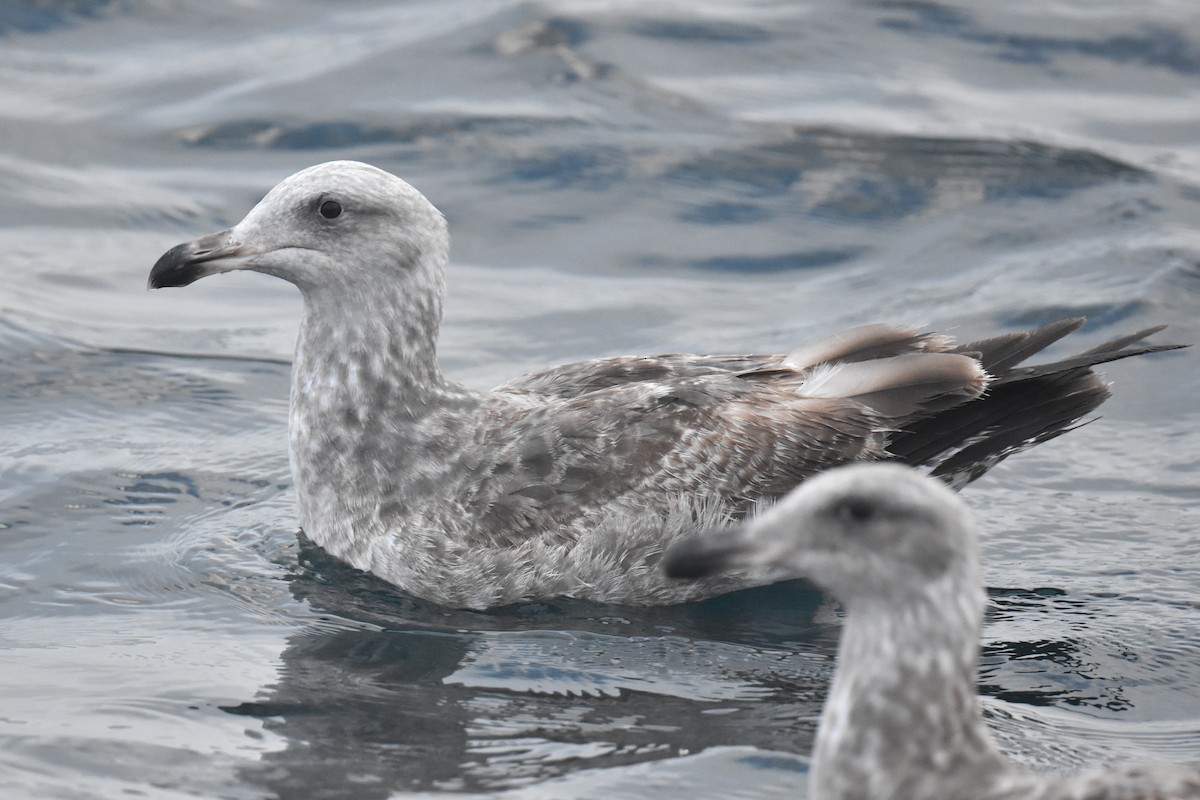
572 480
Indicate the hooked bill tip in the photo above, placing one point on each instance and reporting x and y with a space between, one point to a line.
176 267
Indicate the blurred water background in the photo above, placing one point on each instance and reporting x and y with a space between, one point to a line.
620 177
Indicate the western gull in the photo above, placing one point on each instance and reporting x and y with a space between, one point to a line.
572 480
902 718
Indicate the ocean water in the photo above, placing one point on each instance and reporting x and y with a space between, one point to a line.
620 177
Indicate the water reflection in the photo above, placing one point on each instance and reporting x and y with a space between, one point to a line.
384 693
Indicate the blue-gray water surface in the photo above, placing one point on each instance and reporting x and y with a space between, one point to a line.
620 177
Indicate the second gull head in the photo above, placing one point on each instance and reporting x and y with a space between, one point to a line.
872 530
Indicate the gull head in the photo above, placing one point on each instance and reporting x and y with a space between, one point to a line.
863 531
342 226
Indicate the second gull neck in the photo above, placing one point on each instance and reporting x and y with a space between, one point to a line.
903 709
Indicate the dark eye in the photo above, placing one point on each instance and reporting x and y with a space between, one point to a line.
855 509
331 209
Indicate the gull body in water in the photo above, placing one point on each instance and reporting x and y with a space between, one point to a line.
902 718
571 481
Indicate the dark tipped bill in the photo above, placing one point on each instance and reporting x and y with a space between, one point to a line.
191 261
714 553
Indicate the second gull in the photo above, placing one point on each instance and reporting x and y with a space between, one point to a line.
902 718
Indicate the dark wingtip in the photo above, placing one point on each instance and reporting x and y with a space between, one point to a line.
694 558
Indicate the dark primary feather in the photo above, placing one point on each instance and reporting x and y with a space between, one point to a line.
998 354
1023 406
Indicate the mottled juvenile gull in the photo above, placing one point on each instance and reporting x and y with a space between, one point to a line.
902 718
572 480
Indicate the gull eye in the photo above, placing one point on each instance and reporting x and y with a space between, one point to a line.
856 510
331 209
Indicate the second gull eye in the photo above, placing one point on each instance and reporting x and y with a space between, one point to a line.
855 509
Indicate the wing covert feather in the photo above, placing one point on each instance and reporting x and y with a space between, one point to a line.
568 461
